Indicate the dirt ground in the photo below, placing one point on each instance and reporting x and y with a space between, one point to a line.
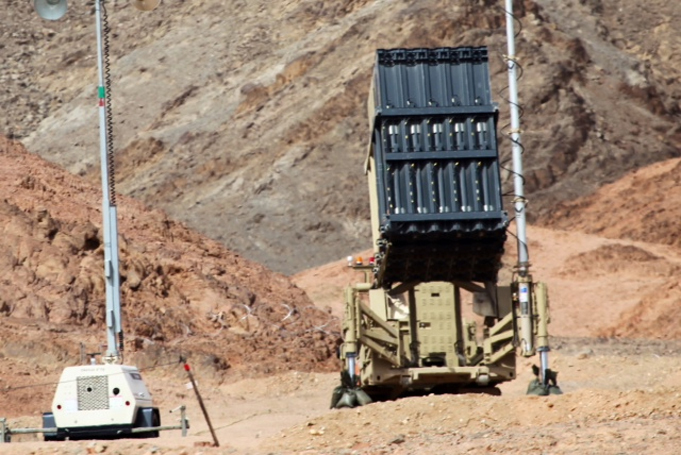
620 397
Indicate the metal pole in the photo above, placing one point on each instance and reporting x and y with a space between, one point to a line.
203 408
3 431
351 335
352 366
183 420
519 201
111 273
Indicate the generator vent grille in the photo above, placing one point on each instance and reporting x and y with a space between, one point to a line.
93 393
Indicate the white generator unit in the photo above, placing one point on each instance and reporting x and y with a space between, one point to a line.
102 402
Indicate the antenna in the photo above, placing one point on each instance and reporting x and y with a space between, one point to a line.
51 10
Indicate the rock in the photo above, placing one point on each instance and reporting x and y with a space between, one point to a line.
96 447
399 439
585 354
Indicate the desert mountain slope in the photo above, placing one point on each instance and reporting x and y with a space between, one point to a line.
181 292
643 206
247 120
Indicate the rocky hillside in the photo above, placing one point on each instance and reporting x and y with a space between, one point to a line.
181 292
644 206
246 120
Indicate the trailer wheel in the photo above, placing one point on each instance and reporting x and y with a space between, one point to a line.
156 422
